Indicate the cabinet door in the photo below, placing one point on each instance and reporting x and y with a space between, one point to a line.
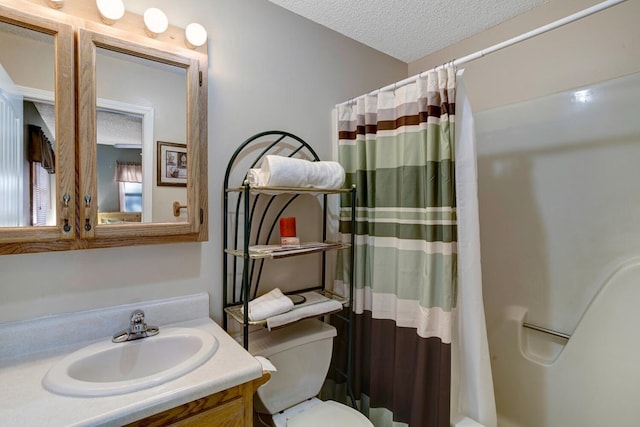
230 414
232 407
37 130
169 83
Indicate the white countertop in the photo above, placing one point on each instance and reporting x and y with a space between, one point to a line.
25 402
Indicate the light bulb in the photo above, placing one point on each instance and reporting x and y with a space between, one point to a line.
155 21
196 35
110 10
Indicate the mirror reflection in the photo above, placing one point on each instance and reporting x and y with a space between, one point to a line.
27 142
140 102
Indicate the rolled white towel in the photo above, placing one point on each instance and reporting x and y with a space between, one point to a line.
256 178
281 171
269 304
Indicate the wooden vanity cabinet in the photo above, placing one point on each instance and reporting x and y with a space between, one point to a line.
229 408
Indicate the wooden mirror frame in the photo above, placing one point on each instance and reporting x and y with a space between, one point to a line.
88 42
78 150
13 239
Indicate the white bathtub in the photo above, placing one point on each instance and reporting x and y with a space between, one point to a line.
593 381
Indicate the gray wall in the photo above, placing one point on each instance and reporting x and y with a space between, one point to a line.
268 69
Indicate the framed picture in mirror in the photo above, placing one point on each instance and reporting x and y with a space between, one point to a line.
172 164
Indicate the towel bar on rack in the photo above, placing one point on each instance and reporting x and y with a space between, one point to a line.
546 331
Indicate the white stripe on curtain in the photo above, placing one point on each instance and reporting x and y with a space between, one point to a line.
399 209
428 322
395 220
446 248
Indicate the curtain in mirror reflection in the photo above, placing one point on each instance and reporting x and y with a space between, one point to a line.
43 166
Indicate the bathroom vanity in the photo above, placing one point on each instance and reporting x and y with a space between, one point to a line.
230 407
218 392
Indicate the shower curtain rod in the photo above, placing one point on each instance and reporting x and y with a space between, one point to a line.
510 42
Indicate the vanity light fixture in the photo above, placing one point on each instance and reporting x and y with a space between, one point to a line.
56 4
110 10
155 21
196 35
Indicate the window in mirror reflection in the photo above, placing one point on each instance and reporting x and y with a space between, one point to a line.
131 196
27 165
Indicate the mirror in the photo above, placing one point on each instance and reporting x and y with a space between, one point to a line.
27 144
73 83
130 90
167 84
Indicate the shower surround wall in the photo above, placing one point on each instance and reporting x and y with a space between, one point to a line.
598 48
559 195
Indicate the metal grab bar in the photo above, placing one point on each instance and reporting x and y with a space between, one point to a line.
546 331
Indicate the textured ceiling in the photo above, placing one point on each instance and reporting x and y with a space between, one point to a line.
113 127
408 29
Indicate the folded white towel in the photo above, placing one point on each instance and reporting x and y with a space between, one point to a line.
269 304
281 171
315 305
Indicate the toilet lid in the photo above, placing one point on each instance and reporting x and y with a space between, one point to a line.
329 413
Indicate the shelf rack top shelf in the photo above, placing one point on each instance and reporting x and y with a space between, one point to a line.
286 190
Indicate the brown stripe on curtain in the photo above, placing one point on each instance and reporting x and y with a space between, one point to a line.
367 130
343 134
398 370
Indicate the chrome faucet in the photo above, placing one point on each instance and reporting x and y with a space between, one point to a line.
137 329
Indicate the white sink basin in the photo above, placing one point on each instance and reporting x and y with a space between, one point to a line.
107 368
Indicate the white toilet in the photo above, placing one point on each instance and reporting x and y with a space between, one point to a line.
301 354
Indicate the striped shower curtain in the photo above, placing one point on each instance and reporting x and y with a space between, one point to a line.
398 149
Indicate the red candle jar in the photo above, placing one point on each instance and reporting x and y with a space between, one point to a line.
288 236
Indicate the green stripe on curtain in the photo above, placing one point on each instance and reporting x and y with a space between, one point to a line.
429 233
397 272
407 149
408 186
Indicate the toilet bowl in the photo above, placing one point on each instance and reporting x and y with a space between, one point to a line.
316 413
301 353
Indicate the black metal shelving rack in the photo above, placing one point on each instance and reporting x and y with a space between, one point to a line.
254 214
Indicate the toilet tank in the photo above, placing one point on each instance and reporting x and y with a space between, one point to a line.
301 354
